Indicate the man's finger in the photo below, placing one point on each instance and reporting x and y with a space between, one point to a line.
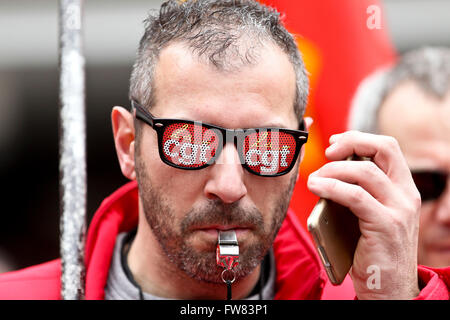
352 196
363 173
384 151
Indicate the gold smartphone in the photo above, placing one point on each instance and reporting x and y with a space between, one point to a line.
335 230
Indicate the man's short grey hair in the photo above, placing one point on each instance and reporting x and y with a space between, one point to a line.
225 33
428 67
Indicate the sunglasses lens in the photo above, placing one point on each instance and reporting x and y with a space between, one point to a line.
430 184
189 145
269 152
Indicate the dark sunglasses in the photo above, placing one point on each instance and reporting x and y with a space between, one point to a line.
194 145
431 184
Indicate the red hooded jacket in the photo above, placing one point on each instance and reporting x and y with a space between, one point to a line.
299 272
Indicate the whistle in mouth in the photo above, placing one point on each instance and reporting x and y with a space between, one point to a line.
227 253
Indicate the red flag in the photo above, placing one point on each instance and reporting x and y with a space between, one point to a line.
341 42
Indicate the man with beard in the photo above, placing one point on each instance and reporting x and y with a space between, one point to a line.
214 140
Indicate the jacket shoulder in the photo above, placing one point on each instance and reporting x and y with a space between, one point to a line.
436 283
299 271
39 282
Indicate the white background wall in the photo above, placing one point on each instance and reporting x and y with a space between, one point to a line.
28 28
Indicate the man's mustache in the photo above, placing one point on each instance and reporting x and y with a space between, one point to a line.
216 212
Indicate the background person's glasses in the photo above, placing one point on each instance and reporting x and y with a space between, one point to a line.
193 145
431 184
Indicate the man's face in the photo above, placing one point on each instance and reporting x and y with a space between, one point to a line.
421 125
186 209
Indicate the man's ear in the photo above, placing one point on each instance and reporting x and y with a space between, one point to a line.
124 134
308 122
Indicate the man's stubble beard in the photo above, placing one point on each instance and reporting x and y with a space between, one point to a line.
174 240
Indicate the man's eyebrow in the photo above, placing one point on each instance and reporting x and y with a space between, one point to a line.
277 125
268 125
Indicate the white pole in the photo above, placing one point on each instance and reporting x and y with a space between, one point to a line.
72 145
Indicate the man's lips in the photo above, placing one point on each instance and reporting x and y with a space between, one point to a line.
213 230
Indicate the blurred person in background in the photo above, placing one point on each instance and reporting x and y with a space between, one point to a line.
411 102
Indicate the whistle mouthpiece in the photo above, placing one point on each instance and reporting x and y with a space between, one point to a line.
227 253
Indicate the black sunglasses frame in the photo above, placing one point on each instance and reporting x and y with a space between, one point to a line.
159 125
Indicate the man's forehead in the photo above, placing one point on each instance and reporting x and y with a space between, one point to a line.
181 56
183 81
408 106
420 123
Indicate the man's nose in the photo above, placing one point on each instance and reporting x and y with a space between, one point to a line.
226 181
443 210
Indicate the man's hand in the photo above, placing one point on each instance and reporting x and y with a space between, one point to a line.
382 194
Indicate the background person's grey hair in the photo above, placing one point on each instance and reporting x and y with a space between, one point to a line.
225 33
428 67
